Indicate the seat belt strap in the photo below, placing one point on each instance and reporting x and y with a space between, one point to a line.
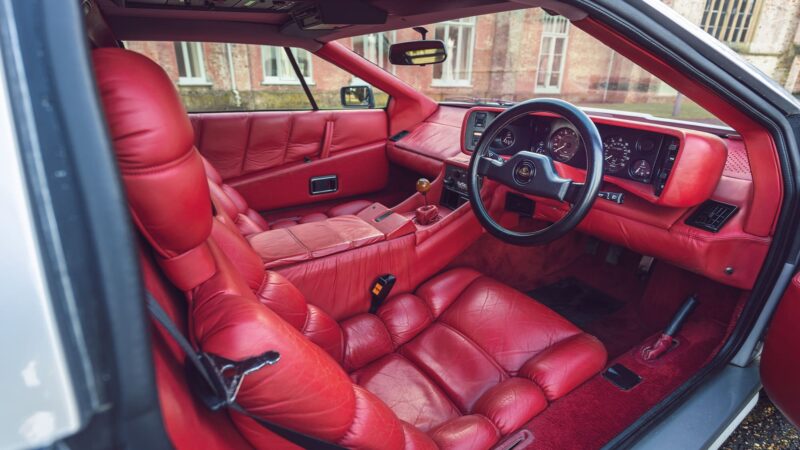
211 367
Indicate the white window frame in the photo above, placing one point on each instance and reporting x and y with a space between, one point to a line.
282 59
453 61
379 51
549 29
734 22
192 79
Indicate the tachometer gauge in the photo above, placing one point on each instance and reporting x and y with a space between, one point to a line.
616 153
564 143
641 170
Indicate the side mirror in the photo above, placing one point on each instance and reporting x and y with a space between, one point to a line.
417 53
357 97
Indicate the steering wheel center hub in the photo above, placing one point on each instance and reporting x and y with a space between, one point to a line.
524 172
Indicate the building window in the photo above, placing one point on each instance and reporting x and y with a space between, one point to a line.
552 54
730 21
375 48
459 39
191 66
278 69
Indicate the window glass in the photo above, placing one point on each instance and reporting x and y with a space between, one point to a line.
459 40
239 77
729 21
517 55
191 65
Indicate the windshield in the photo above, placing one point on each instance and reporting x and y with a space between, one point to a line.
517 55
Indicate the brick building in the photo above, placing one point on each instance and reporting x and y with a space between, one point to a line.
540 55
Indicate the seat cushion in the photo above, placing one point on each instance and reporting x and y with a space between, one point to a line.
466 350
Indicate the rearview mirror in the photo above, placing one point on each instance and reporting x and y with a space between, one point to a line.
357 97
417 53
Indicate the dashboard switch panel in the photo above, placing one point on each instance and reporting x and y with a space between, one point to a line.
455 191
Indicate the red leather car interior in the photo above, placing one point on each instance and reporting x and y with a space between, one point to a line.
429 143
461 361
262 152
779 367
249 222
767 190
407 107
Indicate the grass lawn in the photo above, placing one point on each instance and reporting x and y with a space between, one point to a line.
689 110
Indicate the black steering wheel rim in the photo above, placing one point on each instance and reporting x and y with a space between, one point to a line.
541 178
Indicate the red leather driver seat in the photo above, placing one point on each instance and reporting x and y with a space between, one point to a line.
459 363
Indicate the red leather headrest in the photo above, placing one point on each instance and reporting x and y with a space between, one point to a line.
153 139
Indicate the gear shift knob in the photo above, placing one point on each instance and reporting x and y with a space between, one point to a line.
423 186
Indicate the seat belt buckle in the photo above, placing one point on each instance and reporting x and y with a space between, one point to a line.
380 290
226 377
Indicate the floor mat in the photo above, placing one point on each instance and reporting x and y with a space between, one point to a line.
576 301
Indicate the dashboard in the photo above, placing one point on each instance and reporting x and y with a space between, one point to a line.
638 155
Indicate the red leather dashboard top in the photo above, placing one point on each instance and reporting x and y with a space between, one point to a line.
431 142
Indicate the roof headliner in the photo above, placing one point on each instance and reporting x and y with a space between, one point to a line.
279 29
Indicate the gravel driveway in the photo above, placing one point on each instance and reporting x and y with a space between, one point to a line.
764 428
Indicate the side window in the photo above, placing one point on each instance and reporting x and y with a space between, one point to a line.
329 79
237 77
730 22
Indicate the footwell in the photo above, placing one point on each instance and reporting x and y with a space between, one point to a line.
576 301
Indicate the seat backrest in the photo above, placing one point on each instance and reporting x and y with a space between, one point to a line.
227 198
169 202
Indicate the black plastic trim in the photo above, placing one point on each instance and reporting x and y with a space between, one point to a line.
82 224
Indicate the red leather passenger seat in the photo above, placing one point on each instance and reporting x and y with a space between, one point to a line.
249 221
459 363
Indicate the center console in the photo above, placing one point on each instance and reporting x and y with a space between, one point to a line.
454 191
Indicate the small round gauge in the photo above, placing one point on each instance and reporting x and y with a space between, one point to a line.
539 147
564 143
616 153
641 170
646 144
505 138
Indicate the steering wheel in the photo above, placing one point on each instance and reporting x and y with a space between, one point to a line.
535 174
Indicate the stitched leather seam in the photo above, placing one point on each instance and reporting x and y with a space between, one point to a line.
475 344
296 239
433 383
247 142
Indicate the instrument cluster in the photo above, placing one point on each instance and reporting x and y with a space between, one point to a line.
627 153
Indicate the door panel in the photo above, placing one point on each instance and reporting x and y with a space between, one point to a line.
268 152
780 360
359 170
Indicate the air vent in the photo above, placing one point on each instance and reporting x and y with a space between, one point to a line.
711 216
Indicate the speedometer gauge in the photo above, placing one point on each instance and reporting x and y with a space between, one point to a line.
616 153
564 143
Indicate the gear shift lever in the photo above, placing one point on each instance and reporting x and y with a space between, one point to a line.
423 186
426 214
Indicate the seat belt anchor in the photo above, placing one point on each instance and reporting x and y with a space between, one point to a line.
226 376
380 290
